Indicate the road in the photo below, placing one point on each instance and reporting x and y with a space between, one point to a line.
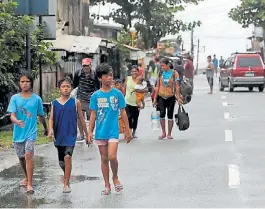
218 162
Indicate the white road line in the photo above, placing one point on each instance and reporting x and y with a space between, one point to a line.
225 104
223 97
233 176
226 115
228 135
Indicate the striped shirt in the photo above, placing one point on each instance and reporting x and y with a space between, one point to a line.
87 86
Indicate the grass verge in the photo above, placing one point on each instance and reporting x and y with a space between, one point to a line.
6 138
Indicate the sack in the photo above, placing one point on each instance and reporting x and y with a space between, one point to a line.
182 119
186 91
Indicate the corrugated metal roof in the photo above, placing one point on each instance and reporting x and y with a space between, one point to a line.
86 44
78 44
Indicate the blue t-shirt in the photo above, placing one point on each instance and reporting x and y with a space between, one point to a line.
27 110
107 106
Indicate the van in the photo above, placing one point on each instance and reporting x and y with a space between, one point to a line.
242 70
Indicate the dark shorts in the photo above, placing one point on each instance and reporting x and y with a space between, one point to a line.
86 109
22 147
63 151
210 81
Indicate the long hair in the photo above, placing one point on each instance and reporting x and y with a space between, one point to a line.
28 76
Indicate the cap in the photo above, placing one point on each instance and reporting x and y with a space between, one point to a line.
86 61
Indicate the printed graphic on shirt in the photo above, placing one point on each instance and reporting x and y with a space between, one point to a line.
24 111
114 103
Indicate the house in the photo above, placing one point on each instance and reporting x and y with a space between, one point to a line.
106 30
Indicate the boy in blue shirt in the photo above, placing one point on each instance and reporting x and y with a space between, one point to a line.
106 104
63 127
25 107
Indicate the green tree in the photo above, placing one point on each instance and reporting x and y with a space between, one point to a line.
155 18
250 12
13 47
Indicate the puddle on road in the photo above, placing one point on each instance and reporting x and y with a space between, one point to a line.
45 180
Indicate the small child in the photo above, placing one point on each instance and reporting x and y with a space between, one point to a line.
63 127
141 85
106 104
118 85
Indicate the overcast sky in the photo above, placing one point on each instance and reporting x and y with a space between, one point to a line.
219 34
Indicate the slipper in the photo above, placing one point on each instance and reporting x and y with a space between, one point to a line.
23 183
66 190
118 187
170 137
30 191
106 191
161 137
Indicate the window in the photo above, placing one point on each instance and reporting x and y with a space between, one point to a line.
249 62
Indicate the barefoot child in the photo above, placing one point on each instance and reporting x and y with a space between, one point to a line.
25 107
63 127
105 105
141 85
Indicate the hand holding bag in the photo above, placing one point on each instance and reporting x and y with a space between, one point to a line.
182 119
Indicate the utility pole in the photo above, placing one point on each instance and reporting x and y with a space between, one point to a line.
192 44
198 53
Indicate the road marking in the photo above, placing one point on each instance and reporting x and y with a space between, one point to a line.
233 176
223 97
226 115
228 135
225 104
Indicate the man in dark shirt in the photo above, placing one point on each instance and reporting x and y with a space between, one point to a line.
87 82
180 69
189 70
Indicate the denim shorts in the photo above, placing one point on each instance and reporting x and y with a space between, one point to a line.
22 147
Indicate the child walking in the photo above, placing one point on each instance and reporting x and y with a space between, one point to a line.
63 127
25 107
105 105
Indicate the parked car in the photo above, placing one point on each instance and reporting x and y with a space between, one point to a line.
242 70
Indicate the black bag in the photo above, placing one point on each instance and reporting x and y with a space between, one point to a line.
182 119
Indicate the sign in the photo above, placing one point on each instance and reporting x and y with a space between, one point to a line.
34 7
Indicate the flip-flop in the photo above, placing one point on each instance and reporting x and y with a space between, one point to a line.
106 191
170 137
118 187
22 183
30 191
66 190
161 137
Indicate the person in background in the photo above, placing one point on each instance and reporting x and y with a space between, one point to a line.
87 82
215 64
221 62
189 70
210 73
141 69
167 92
25 107
153 72
180 69
131 106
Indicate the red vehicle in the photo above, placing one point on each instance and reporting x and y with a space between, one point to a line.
242 70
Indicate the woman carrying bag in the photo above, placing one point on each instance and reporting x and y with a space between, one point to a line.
167 91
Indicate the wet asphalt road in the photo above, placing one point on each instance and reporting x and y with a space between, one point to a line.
218 162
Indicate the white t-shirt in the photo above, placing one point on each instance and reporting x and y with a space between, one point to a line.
141 86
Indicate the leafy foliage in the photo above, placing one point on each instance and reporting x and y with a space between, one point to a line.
249 12
13 47
155 18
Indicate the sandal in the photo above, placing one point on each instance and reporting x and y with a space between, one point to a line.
106 191
118 187
170 137
23 183
161 137
30 191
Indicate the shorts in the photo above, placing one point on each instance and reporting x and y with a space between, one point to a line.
139 97
22 147
63 151
210 81
106 142
86 109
